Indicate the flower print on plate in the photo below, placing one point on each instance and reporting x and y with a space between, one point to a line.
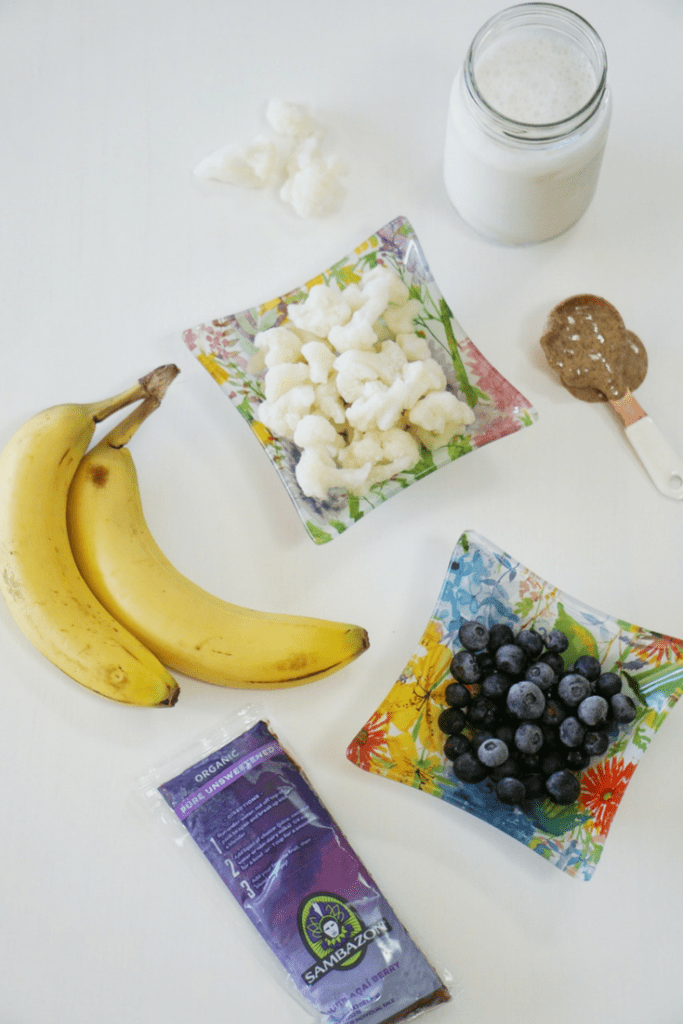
402 739
225 347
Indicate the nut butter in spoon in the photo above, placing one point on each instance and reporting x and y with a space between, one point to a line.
599 360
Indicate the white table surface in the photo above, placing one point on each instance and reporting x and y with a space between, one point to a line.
109 249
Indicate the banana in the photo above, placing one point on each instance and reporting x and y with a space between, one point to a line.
187 628
39 579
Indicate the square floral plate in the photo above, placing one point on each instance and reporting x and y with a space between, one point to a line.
225 348
402 739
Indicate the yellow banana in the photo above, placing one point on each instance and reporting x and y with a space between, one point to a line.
39 579
187 628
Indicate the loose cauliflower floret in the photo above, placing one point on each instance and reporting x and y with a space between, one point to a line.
316 431
438 417
280 345
413 346
420 377
254 165
401 319
312 186
317 473
283 415
323 308
290 119
389 451
354 368
379 407
283 377
391 361
320 359
356 334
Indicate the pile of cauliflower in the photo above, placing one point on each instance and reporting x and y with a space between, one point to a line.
352 384
289 158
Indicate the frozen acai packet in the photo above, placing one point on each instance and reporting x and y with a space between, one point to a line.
239 799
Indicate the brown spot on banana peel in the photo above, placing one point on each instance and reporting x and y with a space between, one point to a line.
99 475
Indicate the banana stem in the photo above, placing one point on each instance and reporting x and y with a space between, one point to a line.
153 384
120 435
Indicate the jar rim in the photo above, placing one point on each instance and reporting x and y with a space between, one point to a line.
526 15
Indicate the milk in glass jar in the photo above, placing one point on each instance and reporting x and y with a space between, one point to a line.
527 125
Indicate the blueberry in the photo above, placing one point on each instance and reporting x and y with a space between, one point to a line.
552 762
572 732
486 661
563 787
496 685
456 745
500 634
473 636
468 768
492 752
511 768
534 784
457 695
556 641
511 659
587 666
593 711
553 659
506 733
577 760
464 667
510 790
542 674
623 708
595 743
609 683
481 712
554 713
573 688
479 736
529 738
530 641
525 701
452 720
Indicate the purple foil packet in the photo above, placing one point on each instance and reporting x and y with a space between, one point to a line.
253 814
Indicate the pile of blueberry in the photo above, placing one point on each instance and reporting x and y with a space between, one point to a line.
519 718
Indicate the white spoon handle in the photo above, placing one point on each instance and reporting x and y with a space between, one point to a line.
663 463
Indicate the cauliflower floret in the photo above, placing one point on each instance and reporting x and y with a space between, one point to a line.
438 417
317 472
290 119
401 319
422 376
323 308
356 334
280 345
329 403
316 431
391 361
313 184
389 451
283 377
354 368
378 407
413 345
283 415
390 282
253 165
320 359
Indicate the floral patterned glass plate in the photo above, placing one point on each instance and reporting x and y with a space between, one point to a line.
225 348
402 739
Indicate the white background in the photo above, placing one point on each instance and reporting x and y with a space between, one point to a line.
109 249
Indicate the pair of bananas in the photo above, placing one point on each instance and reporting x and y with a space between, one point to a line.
90 588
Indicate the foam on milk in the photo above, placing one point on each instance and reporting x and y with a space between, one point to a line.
535 78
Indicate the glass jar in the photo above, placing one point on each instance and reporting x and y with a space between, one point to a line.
528 120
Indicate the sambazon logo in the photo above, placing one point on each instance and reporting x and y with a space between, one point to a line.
335 935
